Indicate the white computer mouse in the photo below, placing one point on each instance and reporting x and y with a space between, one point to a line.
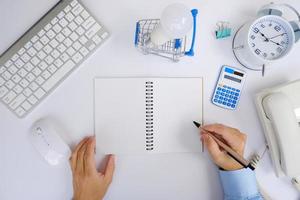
45 137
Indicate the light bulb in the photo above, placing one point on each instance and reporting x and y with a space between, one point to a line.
176 21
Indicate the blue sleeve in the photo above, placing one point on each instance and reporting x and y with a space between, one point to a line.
240 185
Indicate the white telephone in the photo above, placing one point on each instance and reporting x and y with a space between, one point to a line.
279 112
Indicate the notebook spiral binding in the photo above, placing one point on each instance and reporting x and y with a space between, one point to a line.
149 116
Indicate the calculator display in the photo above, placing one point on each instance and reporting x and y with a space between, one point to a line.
233 78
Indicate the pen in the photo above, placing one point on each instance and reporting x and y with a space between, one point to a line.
245 163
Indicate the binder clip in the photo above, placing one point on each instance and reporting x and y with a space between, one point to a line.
223 30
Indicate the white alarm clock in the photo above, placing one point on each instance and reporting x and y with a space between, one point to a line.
267 38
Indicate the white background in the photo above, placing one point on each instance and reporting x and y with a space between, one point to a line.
24 175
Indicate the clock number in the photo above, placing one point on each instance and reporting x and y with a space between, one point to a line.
277 28
253 45
279 50
265 55
252 37
263 26
255 30
257 51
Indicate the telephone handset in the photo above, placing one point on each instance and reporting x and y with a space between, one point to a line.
279 110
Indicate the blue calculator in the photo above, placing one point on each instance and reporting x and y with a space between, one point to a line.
228 89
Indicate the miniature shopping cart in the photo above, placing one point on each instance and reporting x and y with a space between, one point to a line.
173 49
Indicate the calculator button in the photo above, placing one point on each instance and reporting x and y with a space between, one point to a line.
225 86
232 106
229 88
235 98
222 93
230 96
237 90
225 99
219 101
218 92
224 103
230 100
234 102
231 92
218 88
236 94
221 98
217 96
223 90
228 104
226 95
215 100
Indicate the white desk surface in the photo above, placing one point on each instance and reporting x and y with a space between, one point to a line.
24 175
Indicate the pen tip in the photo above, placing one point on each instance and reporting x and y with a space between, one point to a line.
197 124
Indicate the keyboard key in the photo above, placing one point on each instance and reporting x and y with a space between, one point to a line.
104 35
9 84
69 17
40 80
8 63
83 40
25 57
15 57
92 31
52 69
33 86
79 20
26 105
45 40
28 45
61 48
17 101
32 99
31 51
21 51
36 71
54 20
49 59
20 112
24 83
77 57
68 42
41 33
16 78
74 36
97 39
63 22
38 46
84 51
55 53
54 43
3 91
77 45
85 14
51 34
6 75
60 37
64 57
67 9
19 63
48 27
55 78
80 30
30 77
66 32
22 72
9 97
47 49
91 47
72 26
18 89
58 63
13 69
39 93
61 15
46 74
41 55
88 23
34 39
27 92
74 3
77 9
71 51
57 28
2 81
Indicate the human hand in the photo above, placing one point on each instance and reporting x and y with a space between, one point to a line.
233 137
88 183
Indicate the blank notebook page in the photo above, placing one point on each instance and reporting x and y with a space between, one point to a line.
147 115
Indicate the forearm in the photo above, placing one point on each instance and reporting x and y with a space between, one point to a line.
240 185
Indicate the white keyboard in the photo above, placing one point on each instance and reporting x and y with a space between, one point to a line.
46 54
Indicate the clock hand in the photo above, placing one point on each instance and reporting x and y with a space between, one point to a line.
275 43
266 38
278 35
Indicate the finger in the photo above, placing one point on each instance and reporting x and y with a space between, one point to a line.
213 148
89 162
110 168
232 136
73 158
80 157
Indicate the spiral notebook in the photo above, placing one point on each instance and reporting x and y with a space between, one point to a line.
147 115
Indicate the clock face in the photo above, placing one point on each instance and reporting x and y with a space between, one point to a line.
270 38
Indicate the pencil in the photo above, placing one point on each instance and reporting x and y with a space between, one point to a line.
202 143
245 163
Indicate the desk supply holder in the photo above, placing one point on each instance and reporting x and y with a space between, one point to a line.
173 49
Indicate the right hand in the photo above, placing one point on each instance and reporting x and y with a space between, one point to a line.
233 137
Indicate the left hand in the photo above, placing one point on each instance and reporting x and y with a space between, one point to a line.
88 183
